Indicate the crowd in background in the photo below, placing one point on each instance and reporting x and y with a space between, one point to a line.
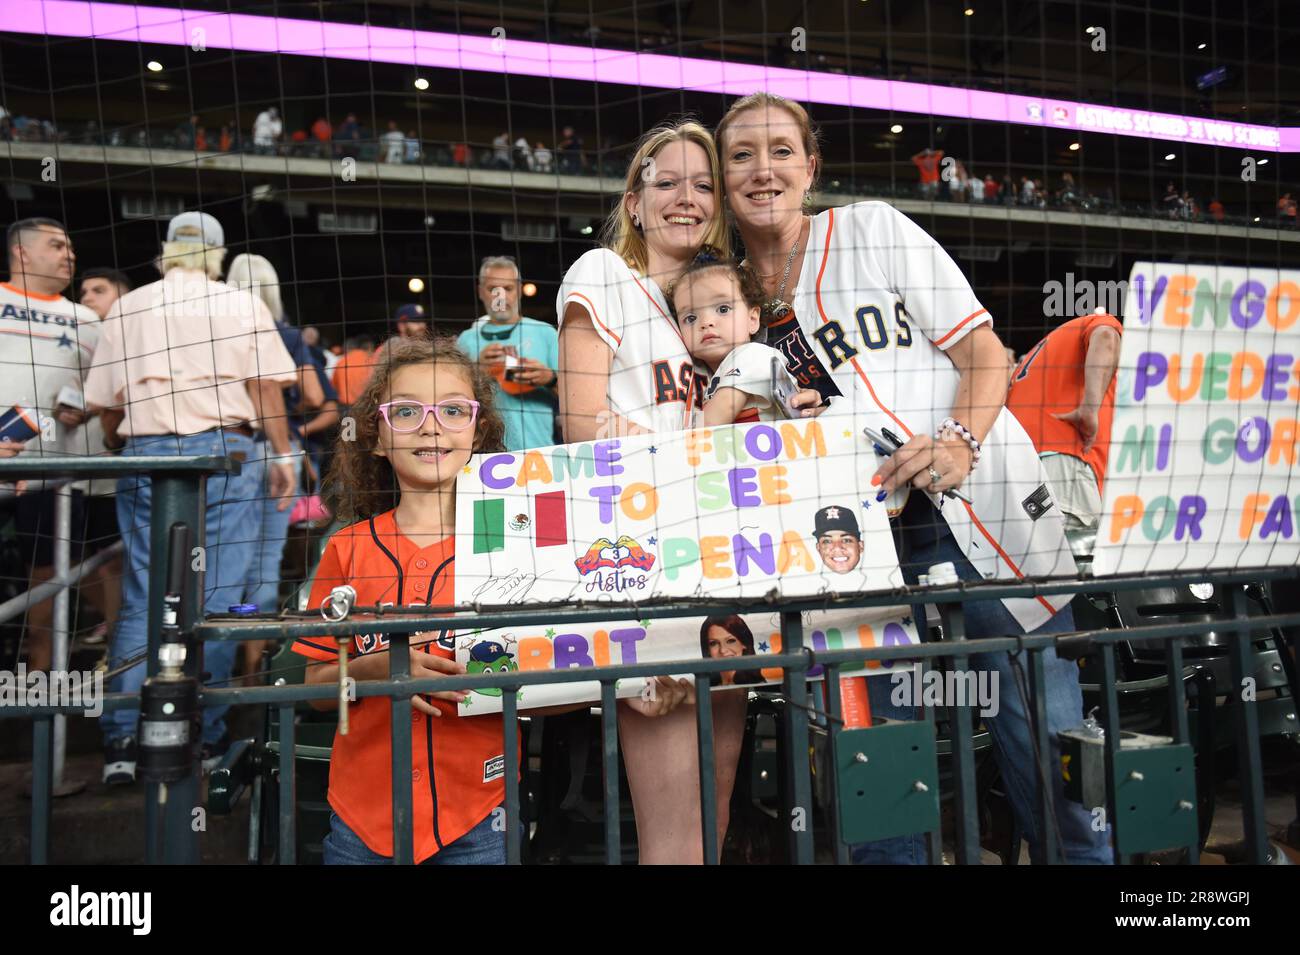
941 177
946 178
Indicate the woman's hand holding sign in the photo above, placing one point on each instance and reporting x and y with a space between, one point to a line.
662 695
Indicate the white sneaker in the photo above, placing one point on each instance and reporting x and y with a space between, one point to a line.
119 762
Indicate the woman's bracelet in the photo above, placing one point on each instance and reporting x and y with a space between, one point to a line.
957 429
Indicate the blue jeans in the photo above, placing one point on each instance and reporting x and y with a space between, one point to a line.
263 586
1012 743
230 537
482 845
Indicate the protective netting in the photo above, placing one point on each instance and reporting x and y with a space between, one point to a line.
451 167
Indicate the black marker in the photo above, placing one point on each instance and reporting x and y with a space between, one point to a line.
886 443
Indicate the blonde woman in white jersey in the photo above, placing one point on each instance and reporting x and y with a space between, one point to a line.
625 370
869 309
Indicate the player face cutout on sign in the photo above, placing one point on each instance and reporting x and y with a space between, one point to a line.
840 552
727 638
839 541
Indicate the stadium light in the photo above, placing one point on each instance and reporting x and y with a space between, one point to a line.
1201 46
430 50
154 66
1169 157
586 230
896 128
416 285
1075 147
421 83
1262 162
970 11
529 289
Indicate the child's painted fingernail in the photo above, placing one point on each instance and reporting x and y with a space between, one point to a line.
875 480
881 495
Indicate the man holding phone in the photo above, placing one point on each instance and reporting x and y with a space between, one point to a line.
46 344
521 354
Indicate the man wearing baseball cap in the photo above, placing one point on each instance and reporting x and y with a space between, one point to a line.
839 542
194 367
411 321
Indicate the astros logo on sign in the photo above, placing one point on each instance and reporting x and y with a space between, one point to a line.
625 552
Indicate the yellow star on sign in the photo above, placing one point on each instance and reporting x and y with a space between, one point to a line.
467 469
847 433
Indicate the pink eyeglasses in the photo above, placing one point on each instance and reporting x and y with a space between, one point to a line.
454 414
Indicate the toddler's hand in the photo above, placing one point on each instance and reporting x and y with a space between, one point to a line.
809 400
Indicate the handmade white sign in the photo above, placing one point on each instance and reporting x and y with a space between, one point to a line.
1202 469
783 509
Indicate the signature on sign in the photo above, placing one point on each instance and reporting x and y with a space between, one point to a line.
507 588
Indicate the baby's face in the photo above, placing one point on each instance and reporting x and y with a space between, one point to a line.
712 315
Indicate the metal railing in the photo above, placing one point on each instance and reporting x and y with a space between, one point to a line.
171 838
57 587
178 493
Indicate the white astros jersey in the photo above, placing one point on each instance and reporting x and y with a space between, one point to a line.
878 302
46 343
652 378
748 368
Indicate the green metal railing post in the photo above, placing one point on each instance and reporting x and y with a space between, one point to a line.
1242 694
42 788
510 722
834 722
609 767
708 781
934 838
1110 722
288 808
794 685
176 497
1046 764
1178 725
399 668
961 729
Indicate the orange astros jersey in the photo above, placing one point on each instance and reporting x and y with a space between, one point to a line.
1049 381
458 766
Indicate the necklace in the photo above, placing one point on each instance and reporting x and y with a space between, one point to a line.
778 308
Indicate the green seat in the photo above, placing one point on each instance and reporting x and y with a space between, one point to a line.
258 762
313 742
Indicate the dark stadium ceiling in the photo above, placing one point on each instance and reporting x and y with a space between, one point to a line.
1155 51
74 81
